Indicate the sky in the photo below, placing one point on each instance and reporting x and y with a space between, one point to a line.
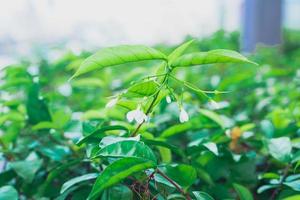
114 21
97 23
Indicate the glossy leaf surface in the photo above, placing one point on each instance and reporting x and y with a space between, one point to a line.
118 55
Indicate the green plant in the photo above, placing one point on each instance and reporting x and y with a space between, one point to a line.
132 155
237 138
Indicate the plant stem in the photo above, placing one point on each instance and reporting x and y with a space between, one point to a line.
285 173
151 105
175 184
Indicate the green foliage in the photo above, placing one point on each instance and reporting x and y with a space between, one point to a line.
8 193
153 127
118 55
118 171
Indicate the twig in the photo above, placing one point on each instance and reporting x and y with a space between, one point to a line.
175 184
150 107
285 173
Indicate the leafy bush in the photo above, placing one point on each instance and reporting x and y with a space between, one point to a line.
133 122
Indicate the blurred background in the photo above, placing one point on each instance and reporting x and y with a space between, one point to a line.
26 25
43 42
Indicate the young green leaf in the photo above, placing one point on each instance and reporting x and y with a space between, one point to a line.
210 57
179 51
118 171
280 148
76 180
243 192
127 148
118 55
143 89
99 133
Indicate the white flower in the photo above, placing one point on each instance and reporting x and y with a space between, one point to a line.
65 89
214 105
111 103
137 115
183 116
212 147
168 99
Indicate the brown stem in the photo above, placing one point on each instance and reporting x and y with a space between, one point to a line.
175 184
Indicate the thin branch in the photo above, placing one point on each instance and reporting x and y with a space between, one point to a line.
150 107
285 173
175 184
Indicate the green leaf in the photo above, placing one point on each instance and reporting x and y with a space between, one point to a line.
143 89
187 177
213 116
269 175
55 152
27 168
165 154
180 128
43 125
294 197
295 185
179 51
6 176
263 188
280 148
162 143
108 140
100 133
202 195
210 57
127 149
8 193
88 82
55 173
37 109
76 180
117 192
118 171
118 55
243 192
292 177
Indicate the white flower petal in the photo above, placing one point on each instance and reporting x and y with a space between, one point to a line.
136 115
140 117
212 147
183 116
131 115
168 99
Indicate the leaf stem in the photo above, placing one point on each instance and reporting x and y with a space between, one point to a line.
151 105
175 184
285 173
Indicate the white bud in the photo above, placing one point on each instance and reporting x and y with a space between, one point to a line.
168 99
111 103
183 116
